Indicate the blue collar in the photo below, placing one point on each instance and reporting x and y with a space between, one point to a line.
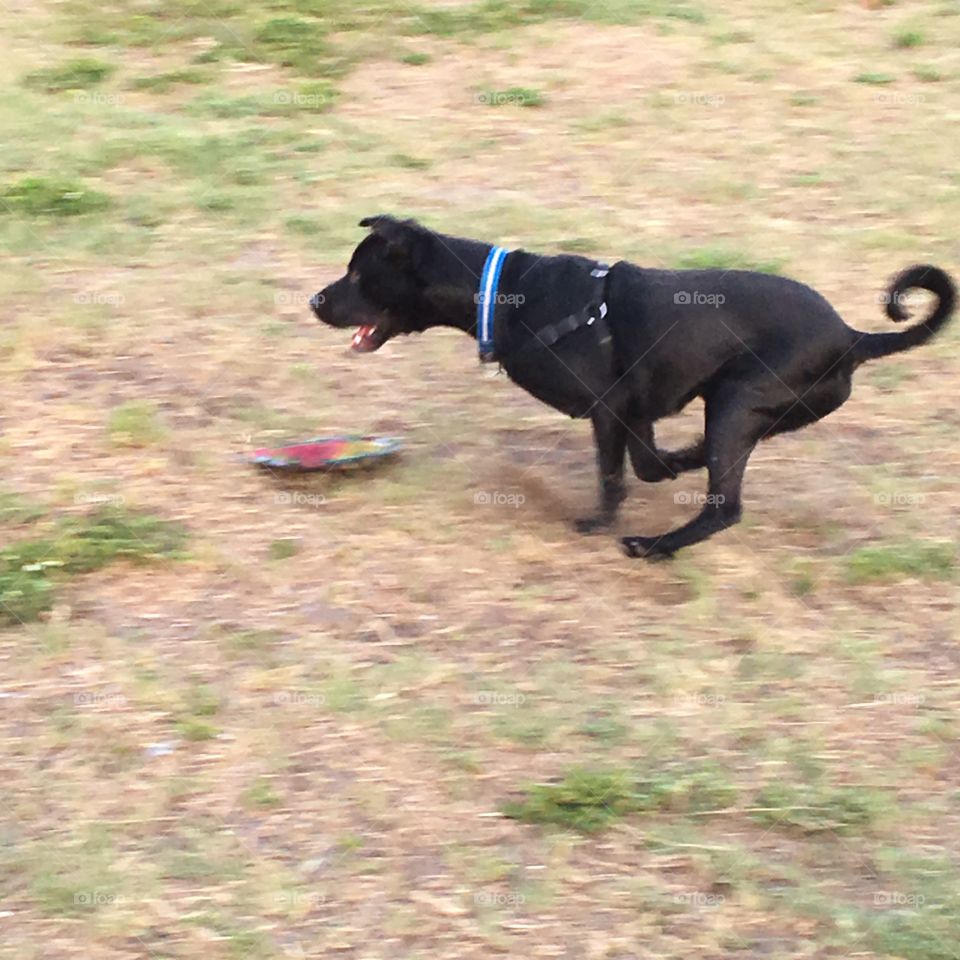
487 301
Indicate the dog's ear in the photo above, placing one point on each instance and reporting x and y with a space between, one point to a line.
406 239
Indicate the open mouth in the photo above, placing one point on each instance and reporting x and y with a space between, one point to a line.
368 338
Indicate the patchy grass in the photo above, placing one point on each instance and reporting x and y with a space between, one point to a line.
304 734
73 75
162 82
43 197
29 568
588 800
722 258
135 424
512 96
815 809
905 38
928 561
874 79
16 509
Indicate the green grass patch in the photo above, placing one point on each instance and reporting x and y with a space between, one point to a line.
874 79
261 795
193 723
512 97
909 558
905 38
15 509
284 549
722 258
589 800
307 36
47 197
816 808
490 16
29 569
162 82
72 75
135 424
75 879
927 74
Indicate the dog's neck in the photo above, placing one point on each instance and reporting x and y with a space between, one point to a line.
453 303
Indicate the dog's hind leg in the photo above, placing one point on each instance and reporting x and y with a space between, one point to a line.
652 464
737 415
610 436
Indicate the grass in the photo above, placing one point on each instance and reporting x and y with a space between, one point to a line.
135 424
328 703
30 568
590 800
723 258
16 509
884 562
874 79
512 96
162 82
813 809
49 197
906 39
77 74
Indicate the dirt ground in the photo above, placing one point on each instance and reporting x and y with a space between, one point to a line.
298 737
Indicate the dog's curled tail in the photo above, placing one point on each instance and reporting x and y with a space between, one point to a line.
870 346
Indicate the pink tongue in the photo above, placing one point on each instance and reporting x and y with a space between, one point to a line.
361 339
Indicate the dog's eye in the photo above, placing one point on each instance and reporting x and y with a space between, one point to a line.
354 276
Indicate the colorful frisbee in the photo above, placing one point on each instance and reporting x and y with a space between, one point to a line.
326 453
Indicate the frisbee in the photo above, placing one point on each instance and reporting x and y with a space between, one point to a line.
326 453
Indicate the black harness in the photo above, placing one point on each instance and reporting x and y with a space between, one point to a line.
594 314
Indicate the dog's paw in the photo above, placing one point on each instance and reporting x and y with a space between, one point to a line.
658 472
647 548
592 524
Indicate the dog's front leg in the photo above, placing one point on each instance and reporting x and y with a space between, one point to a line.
610 436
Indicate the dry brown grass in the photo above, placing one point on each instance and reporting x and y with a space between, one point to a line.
338 730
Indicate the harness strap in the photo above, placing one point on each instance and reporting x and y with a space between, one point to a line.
593 313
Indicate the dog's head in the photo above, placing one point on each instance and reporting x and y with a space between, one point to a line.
391 286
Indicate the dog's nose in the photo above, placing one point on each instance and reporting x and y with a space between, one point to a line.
316 302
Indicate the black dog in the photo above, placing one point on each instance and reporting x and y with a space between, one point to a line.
627 345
